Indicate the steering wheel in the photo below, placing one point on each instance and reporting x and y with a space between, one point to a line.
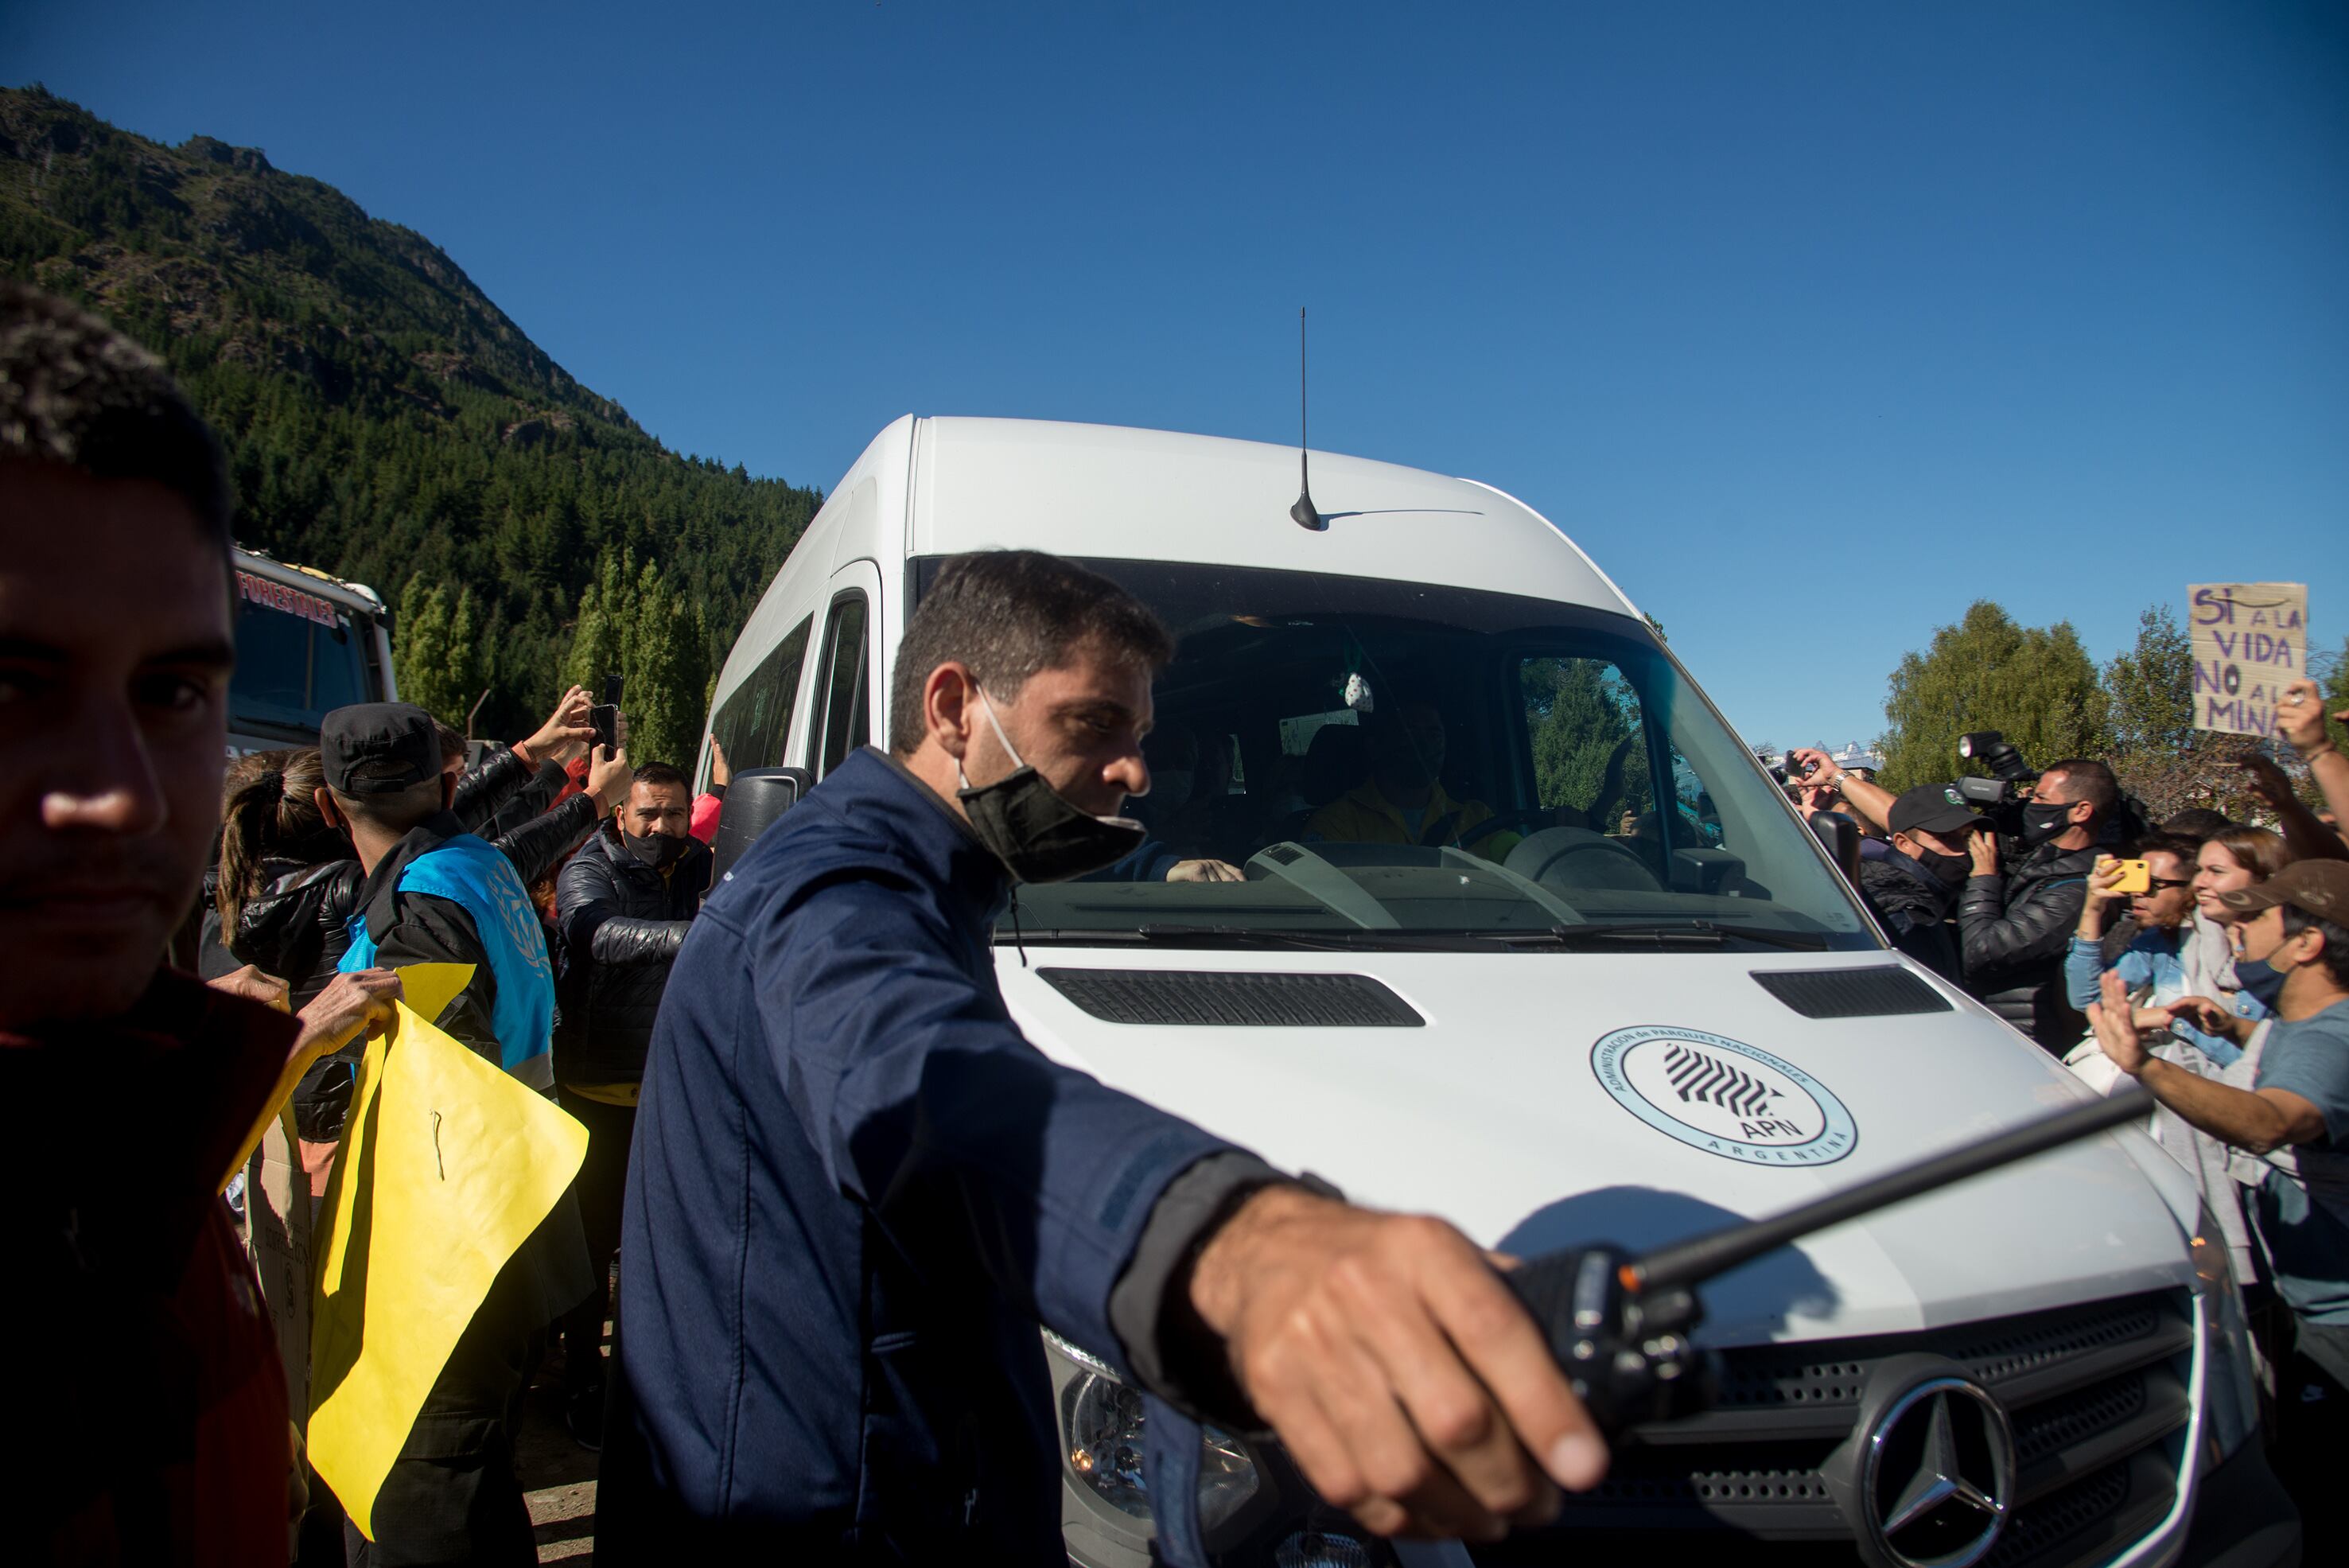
1546 815
1596 861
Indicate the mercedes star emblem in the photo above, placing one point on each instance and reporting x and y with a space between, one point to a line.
1938 1475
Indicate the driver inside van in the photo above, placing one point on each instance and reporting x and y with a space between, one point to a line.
1403 801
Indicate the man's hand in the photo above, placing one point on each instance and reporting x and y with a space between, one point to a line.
2300 716
2116 1026
1806 764
2207 1015
351 1002
2266 781
564 734
1983 849
251 983
359 1000
1403 1378
721 773
1205 871
609 777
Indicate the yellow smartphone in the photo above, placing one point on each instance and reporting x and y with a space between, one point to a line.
2135 877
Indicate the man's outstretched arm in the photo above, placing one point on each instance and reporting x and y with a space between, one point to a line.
2254 1119
1384 1350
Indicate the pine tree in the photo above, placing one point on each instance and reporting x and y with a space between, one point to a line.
435 655
599 642
663 683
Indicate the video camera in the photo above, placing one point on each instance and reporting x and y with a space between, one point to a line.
2002 797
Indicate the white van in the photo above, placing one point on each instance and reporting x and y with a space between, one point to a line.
1600 985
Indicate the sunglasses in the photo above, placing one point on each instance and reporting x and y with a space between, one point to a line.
2155 884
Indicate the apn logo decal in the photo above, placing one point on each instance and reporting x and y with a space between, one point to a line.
1723 1097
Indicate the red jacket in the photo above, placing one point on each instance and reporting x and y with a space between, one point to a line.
146 1419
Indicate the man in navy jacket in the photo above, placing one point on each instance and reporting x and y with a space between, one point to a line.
856 1189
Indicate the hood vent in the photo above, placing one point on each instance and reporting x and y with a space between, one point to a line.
1213 1000
1851 993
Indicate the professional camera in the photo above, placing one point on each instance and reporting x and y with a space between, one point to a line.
2000 798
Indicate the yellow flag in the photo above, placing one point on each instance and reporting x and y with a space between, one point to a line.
447 1165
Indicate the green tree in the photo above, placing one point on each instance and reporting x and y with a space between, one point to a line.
2151 686
665 683
636 623
436 653
2036 685
599 641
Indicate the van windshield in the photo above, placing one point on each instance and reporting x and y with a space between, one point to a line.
299 656
1395 764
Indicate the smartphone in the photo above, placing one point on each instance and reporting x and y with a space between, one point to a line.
606 715
2135 877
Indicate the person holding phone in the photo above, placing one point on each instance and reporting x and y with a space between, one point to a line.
2151 953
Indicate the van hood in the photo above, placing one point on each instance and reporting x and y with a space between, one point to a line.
1530 1109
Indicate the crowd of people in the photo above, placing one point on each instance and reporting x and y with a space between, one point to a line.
807 1109
2202 958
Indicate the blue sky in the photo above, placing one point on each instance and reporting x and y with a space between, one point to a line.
1812 323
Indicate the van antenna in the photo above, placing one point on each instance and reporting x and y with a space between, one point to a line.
1303 513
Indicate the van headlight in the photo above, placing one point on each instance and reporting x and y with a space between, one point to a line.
1102 1444
2230 1399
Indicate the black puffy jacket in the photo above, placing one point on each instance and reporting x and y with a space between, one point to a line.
1915 907
619 924
2014 931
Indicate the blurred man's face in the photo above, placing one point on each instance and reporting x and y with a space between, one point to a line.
660 808
1408 747
115 651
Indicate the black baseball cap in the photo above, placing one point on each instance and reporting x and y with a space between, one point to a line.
1936 808
378 732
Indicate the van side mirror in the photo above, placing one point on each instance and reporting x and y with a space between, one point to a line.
1840 836
755 801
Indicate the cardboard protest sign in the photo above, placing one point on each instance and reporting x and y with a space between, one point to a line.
2249 639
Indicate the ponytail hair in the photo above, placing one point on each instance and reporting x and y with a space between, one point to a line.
271 812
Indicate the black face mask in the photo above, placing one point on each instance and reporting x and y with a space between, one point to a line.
2042 823
657 850
1038 834
1949 870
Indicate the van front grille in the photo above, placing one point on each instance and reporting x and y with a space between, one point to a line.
2092 1392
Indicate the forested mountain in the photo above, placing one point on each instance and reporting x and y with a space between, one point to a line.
383 419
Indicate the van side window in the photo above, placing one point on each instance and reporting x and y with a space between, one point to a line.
1588 743
756 716
847 706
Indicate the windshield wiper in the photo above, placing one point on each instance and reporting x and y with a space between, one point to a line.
1663 935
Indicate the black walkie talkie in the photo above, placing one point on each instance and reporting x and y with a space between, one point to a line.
1620 1325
